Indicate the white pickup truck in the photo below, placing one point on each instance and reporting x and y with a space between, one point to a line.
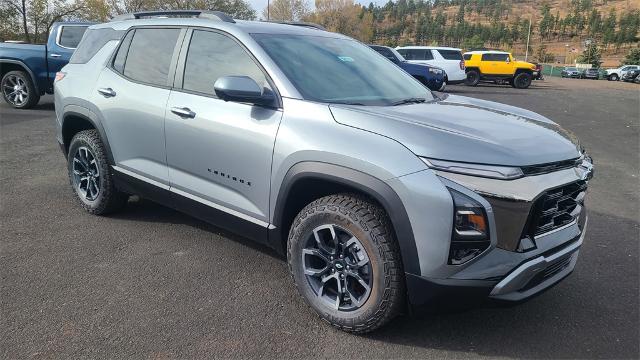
616 74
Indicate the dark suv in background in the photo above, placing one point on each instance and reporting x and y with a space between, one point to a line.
431 76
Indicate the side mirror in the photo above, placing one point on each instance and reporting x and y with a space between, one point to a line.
242 89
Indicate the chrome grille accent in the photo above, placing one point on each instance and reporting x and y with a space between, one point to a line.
558 207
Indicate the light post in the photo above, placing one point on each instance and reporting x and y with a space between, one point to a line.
268 9
566 53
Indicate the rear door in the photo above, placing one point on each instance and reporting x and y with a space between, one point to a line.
132 94
220 153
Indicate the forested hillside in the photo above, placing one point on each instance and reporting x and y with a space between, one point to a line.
560 29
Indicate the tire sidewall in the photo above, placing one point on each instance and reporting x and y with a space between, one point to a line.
78 141
518 78
297 241
32 97
475 78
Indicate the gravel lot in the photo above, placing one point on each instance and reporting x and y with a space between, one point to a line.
153 283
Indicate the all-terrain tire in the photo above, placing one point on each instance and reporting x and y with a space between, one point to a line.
473 78
522 80
370 224
109 199
22 79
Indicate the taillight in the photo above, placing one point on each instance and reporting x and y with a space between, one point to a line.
461 64
59 76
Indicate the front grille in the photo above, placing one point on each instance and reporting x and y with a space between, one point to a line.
550 167
547 273
557 208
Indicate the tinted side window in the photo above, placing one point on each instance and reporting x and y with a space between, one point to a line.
121 56
70 36
501 57
92 41
487 57
150 55
385 52
451 54
212 55
467 56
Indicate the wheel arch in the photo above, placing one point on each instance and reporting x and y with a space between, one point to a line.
74 121
7 65
467 69
523 70
308 181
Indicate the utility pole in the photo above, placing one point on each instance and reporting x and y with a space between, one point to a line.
526 53
268 8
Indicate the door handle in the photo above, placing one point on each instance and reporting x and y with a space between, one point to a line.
183 112
107 92
55 55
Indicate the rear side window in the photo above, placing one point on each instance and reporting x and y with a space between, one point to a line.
467 56
212 55
92 41
416 54
149 56
70 36
487 57
451 54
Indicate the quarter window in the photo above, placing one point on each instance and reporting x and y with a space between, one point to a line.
450 54
212 55
149 56
416 54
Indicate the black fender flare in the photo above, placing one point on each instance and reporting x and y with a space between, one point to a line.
27 69
365 183
89 116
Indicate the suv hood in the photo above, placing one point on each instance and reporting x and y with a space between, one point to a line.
464 129
525 65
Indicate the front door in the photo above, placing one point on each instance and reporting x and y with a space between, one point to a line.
219 153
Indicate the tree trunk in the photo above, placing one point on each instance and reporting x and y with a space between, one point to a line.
24 21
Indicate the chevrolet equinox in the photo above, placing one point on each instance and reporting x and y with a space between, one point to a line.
383 195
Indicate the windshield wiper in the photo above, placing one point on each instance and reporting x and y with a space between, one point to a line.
409 101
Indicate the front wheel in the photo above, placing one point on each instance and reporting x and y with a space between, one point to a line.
443 86
522 81
345 262
18 90
473 78
614 77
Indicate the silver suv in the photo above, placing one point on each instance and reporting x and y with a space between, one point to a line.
380 193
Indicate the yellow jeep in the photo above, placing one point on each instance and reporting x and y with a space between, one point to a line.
497 66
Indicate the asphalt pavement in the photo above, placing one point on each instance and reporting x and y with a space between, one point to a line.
150 282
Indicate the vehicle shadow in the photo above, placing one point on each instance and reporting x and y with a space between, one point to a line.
568 321
559 323
138 209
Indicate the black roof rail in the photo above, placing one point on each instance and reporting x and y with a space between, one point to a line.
300 23
203 14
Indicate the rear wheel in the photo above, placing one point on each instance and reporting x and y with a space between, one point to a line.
345 262
614 77
89 175
473 78
18 90
522 81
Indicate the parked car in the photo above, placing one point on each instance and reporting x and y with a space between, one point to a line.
592 73
379 192
428 75
538 72
617 74
27 71
630 76
498 66
570 72
446 58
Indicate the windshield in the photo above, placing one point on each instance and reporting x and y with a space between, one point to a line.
341 71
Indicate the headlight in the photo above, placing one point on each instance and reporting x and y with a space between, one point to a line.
435 71
470 229
488 171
